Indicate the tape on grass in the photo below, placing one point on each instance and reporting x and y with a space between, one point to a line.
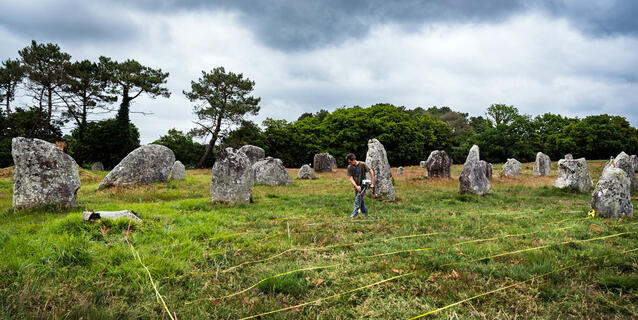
515 284
444 265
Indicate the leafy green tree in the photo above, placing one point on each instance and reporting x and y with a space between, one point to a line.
101 141
186 150
11 74
247 133
24 123
129 80
502 114
45 67
222 98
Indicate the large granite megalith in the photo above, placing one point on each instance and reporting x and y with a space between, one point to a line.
271 171
324 162
232 177
489 168
439 164
542 164
254 153
43 175
146 164
573 174
624 162
473 179
612 196
511 168
377 160
306 172
178 171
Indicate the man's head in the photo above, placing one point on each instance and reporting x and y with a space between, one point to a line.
351 159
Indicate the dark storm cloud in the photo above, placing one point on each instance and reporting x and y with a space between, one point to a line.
67 21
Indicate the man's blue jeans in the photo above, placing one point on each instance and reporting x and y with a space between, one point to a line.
358 204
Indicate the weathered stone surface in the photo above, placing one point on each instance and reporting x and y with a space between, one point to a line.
611 197
611 160
253 153
422 164
271 171
113 215
489 168
573 174
399 170
623 161
306 172
634 160
569 156
178 171
439 164
146 164
43 175
377 160
511 168
324 162
473 179
542 165
97 166
232 178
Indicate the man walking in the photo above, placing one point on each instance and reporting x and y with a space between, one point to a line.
356 173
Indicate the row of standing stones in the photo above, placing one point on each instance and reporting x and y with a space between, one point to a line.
44 175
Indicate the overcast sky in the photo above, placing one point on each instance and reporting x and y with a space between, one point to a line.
571 57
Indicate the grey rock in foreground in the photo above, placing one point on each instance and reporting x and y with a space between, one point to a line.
254 153
232 178
422 164
511 168
271 171
573 174
113 215
377 160
306 172
624 162
178 171
569 156
97 166
146 164
611 197
489 168
324 162
473 179
439 164
43 175
399 170
542 165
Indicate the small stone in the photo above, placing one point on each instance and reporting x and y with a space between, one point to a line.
489 168
271 171
624 162
306 172
573 174
232 177
324 162
422 164
112 215
178 171
439 164
399 170
569 156
542 165
97 166
511 168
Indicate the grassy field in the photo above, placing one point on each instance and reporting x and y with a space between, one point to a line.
527 242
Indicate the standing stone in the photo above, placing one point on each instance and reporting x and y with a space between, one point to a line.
178 171
623 161
253 153
489 168
377 160
422 164
43 175
573 174
511 168
97 166
569 156
146 164
634 160
324 162
271 171
542 164
306 172
473 179
399 170
232 178
439 164
611 197
608 163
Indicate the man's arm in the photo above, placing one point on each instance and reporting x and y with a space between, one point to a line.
371 178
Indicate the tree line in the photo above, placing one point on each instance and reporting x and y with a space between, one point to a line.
63 91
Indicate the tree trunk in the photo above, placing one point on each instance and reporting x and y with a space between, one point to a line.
50 110
211 144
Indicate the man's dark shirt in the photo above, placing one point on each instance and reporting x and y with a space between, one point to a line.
358 172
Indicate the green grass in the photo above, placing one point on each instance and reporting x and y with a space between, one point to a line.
54 265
